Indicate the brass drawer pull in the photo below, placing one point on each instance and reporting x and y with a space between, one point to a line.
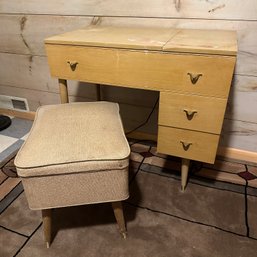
190 114
194 77
73 65
185 145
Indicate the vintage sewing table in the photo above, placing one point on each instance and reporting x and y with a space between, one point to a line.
192 70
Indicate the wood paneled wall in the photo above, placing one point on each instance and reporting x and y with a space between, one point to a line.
24 71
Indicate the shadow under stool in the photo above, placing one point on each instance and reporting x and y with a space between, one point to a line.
75 154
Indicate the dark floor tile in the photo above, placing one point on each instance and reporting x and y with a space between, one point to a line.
3 177
173 172
252 169
211 206
149 234
252 191
14 193
227 166
19 217
10 242
252 215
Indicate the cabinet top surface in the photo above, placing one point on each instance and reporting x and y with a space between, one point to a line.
160 39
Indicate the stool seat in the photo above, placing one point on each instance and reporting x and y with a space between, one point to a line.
88 136
75 154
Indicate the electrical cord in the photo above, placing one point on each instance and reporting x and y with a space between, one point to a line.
148 118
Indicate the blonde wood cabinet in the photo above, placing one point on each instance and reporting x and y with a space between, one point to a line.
192 70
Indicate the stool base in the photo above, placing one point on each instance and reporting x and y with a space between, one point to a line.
118 213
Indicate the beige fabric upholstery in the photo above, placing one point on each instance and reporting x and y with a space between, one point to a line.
71 134
75 154
47 192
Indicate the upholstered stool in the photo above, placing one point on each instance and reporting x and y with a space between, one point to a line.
75 154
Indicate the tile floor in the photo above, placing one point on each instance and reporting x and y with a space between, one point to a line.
13 137
11 140
225 191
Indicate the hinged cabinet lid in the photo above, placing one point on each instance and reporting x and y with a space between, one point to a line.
160 39
116 37
203 41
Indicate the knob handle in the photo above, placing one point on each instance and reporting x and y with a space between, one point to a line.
194 77
185 145
73 65
190 114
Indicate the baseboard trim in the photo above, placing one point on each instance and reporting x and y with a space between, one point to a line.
237 154
18 114
225 152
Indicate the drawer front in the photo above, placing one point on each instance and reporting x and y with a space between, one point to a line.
199 74
187 144
162 71
192 112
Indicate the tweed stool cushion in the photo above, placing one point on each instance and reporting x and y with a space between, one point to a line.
75 154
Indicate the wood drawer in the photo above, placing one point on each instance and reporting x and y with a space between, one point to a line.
162 71
203 145
192 112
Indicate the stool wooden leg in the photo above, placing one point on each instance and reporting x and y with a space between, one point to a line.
46 215
118 213
184 173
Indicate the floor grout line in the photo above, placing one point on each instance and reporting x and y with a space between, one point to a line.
1 211
13 231
191 221
4 179
27 239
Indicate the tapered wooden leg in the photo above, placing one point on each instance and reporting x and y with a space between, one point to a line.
46 215
184 173
118 213
63 90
